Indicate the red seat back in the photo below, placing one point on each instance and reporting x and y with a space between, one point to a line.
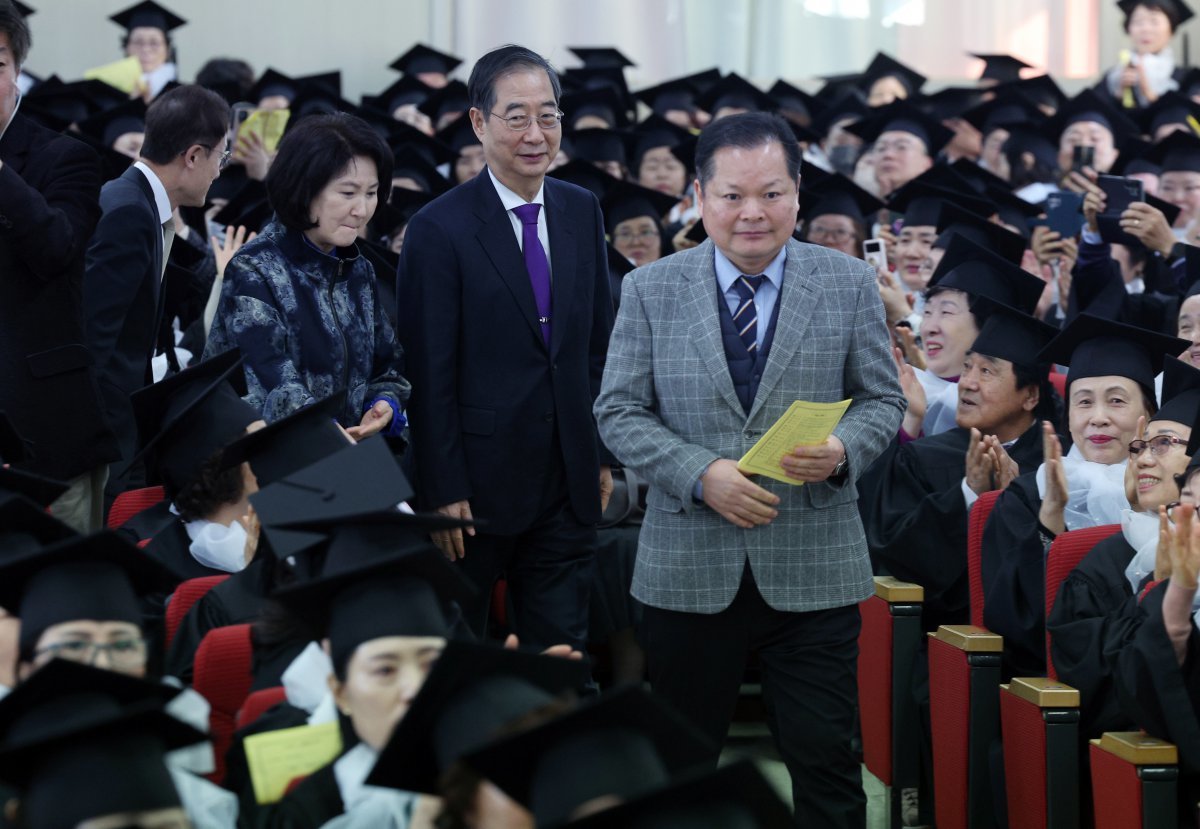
949 712
1066 552
258 703
875 687
1059 381
1024 761
186 595
1116 791
980 511
223 676
128 504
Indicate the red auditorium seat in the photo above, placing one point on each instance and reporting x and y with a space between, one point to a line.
976 521
186 595
1059 381
1039 719
222 675
1134 779
1066 552
128 504
259 703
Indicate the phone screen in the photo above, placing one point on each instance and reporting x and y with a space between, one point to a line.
1083 157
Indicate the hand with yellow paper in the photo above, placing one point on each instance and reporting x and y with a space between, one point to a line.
276 758
124 74
801 447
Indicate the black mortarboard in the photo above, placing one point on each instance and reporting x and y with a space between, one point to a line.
605 103
951 102
1088 106
1133 157
291 443
678 93
471 692
407 90
1178 152
954 220
81 742
1170 108
1035 141
903 116
406 203
316 99
1013 210
22 9
581 78
421 59
601 57
837 86
685 151
654 131
39 489
735 91
921 202
249 206
1000 68
272 83
1180 10
413 165
25 526
407 140
618 265
1007 109
625 743
379 580
187 418
849 106
1010 334
147 14
97 577
836 194
584 174
107 126
458 135
1180 393
973 269
795 101
450 98
883 66
1041 90
626 200
1189 82
596 144
735 796
965 185
980 179
72 102
1096 347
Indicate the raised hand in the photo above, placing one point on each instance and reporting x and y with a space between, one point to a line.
1054 503
914 393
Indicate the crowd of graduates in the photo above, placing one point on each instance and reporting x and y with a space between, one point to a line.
1038 266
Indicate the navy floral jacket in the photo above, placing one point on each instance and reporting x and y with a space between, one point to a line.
308 324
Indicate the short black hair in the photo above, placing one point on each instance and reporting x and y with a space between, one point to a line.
481 87
1155 5
746 131
312 153
13 24
234 72
183 117
1050 405
213 487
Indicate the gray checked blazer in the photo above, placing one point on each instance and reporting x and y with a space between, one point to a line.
667 409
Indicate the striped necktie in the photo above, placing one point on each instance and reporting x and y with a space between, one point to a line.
745 318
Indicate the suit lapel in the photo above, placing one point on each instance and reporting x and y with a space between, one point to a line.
700 305
796 303
14 146
499 244
562 264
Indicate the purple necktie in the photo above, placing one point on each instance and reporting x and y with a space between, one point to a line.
536 263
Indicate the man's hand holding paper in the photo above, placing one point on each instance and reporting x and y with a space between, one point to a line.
811 464
800 447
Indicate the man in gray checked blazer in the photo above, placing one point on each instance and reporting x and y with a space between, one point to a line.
710 347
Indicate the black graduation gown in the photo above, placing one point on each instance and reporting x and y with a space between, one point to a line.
1094 618
148 523
313 803
915 516
172 546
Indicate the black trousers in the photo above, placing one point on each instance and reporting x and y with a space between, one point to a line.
809 665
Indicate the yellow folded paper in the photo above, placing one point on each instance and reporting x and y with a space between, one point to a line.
124 74
276 758
803 424
267 124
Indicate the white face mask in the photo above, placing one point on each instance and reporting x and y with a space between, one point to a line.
217 546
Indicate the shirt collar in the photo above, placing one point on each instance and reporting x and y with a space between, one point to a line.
510 199
160 192
727 273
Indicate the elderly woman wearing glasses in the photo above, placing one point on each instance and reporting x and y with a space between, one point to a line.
300 300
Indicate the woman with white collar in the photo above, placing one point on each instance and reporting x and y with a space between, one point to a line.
1110 386
1148 70
148 28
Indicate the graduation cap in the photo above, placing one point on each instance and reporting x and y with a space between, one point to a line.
625 743
422 59
850 106
975 270
449 99
793 101
80 743
381 579
97 577
1180 393
1178 152
1170 108
22 9
578 79
735 796
1000 68
1095 347
618 265
414 166
471 692
1013 210
407 140
458 135
840 85
735 92
248 206
1033 140
107 126
605 103
920 202
407 90
1189 82
678 93
25 526
1041 90
836 194
1088 106
584 174
187 418
316 99
148 14
1010 334
949 103
69 103
1177 10
291 443
625 200
406 203
597 145
954 220
655 131
981 180
1008 108
601 57
903 116
885 66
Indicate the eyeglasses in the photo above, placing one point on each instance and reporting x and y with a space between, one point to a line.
225 154
121 653
629 235
1159 446
837 234
520 123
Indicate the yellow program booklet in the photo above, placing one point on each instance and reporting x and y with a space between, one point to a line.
124 74
803 424
276 758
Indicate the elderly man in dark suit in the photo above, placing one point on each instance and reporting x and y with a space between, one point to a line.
711 346
49 187
183 152
504 314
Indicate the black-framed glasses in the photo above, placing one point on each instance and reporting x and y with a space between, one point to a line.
1159 445
225 153
520 123
122 652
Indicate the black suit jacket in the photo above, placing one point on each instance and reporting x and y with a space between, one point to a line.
121 296
490 405
49 186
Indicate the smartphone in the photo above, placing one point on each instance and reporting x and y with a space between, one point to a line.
1064 213
1119 193
1083 157
875 252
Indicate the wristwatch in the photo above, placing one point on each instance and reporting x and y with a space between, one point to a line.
842 468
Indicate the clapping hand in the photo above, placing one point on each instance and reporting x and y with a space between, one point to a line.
914 393
1054 502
